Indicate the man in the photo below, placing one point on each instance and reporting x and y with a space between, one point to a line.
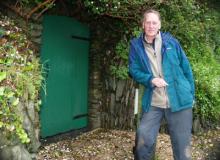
157 61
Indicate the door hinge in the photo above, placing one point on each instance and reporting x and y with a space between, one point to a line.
80 116
81 38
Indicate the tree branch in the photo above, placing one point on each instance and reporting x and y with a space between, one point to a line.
118 17
45 9
39 6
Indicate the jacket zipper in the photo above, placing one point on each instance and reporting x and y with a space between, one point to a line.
175 84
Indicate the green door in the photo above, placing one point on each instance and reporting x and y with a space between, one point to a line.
64 53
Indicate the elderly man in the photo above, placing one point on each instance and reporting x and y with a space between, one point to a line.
157 61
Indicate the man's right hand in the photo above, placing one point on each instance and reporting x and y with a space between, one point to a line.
159 82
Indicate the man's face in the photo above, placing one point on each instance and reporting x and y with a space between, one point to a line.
151 24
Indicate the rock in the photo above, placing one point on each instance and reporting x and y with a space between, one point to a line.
29 119
17 152
36 40
31 110
197 128
112 84
112 103
119 89
36 26
35 33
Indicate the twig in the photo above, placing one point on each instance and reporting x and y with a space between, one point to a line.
45 9
118 17
38 7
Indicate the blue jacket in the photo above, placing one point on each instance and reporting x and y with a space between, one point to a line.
176 71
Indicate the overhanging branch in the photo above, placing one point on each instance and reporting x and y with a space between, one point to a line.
26 15
39 6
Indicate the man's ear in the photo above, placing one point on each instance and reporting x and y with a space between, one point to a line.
142 25
159 25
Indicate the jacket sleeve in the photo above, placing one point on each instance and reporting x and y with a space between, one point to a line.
137 70
187 70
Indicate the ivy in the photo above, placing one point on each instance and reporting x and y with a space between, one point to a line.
120 72
20 80
119 65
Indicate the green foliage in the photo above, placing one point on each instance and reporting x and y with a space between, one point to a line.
20 80
120 72
207 95
197 28
113 7
119 63
2 32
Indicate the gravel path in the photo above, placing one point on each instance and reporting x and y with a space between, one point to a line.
117 145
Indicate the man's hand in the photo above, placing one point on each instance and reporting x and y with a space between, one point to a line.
159 82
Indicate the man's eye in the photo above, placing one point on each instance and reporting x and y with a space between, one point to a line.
153 23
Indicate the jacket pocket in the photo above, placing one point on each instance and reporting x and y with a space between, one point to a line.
184 92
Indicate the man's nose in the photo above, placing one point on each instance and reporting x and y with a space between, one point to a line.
151 24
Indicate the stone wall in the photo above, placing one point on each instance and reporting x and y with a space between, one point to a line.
95 84
118 108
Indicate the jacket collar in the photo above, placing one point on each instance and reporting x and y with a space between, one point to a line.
166 37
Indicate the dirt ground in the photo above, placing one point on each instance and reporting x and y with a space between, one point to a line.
117 145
